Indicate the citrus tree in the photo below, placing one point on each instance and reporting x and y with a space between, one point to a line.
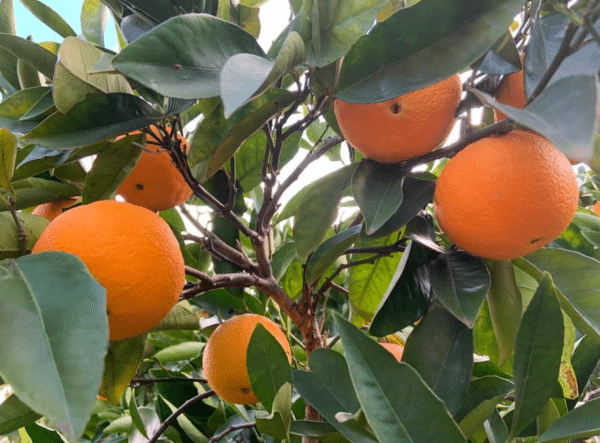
267 302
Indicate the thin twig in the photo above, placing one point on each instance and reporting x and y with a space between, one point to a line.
215 438
21 236
147 381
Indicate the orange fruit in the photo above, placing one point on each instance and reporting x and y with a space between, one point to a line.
224 356
52 209
155 182
506 196
511 91
403 127
395 349
596 207
131 251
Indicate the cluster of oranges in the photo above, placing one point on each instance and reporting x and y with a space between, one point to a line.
501 197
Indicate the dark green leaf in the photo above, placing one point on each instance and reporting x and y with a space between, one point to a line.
489 389
159 61
585 359
460 282
421 45
32 227
268 366
496 429
49 17
277 424
158 11
33 54
55 364
94 15
408 295
538 351
13 108
111 167
328 252
41 434
318 208
317 429
136 419
396 402
580 423
502 58
15 414
440 348
34 191
377 189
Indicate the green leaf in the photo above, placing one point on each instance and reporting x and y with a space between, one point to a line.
377 189
268 366
34 191
33 54
93 18
18 105
408 294
496 429
120 366
181 317
40 109
577 279
159 61
317 429
28 77
41 434
328 252
7 17
72 79
217 139
396 402
330 28
440 348
277 424
188 350
55 364
538 352
186 425
96 118
580 423
244 76
111 167
8 156
585 358
502 58
32 226
151 423
460 282
15 414
368 282
49 17
564 113
136 419
318 208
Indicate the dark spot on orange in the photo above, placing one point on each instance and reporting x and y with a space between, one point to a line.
245 390
535 240
396 108
139 186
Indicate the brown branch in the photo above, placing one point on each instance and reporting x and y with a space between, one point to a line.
215 438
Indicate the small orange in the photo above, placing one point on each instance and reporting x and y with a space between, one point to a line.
395 349
131 251
52 209
155 183
224 356
403 127
506 196
511 91
596 207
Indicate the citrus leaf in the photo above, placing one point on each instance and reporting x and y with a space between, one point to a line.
422 45
460 282
158 61
111 167
188 350
320 430
186 425
15 414
40 109
502 58
495 428
244 76
49 17
268 366
120 366
8 157
580 423
35 191
585 359
277 424
32 226
440 348
318 208
28 77
538 350
55 364
328 252
33 54
13 108
93 18
396 402
151 423
136 419
40 433
181 317
377 189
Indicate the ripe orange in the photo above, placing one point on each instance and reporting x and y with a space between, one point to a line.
224 357
511 91
131 251
596 207
52 209
506 196
155 183
403 127
395 349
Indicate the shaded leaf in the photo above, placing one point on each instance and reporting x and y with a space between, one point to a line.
496 429
277 423
8 157
15 414
581 422
34 191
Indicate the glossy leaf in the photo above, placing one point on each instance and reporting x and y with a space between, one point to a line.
422 45
188 350
94 119
377 189
328 252
34 191
8 156
244 76
408 294
63 347
318 208
440 348
111 167
93 18
32 53
15 414
120 366
564 113
277 423
396 402
158 61
580 423
538 352
32 227
268 366
460 282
